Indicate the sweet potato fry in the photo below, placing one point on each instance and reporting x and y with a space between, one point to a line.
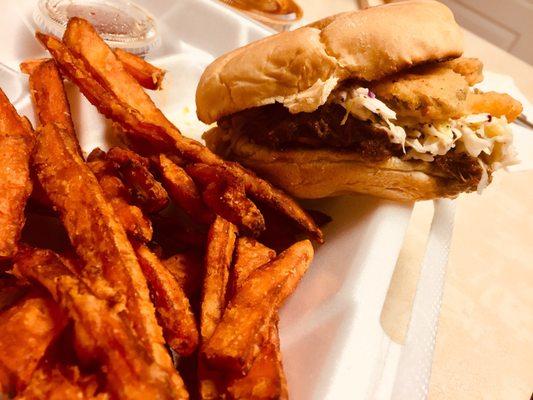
146 191
226 196
266 378
219 252
220 246
136 225
16 144
127 104
49 99
131 217
237 338
110 264
96 154
148 76
129 367
107 103
186 268
249 255
28 66
171 304
53 381
183 190
51 106
26 331
83 40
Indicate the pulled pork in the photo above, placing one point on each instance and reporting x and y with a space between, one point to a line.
275 127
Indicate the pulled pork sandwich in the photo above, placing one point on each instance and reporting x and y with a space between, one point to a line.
378 101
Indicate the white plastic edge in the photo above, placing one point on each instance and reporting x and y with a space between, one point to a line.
414 368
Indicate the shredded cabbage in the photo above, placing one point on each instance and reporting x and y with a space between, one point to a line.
484 180
362 104
480 135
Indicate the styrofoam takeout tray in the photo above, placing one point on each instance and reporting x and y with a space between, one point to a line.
333 344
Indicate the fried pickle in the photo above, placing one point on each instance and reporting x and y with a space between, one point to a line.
424 94
496 104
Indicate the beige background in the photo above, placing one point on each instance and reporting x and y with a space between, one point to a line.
484 344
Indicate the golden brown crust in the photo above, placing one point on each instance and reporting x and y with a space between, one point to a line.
301 67
424 94
496 104
310 174
470 68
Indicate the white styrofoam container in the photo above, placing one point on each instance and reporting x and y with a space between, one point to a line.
333 344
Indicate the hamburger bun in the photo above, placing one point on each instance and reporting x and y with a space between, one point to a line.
312 174
300 68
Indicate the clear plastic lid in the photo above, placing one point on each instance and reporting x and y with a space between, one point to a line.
122 24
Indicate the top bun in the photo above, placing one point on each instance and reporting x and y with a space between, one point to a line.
300 68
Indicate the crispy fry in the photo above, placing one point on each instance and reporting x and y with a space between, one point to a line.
237 338
186 268
122 157
131 217
231 202
266 378
249 255
82 39
221 242
96 154
101 167
147 192
219 252
496 104
129 367
53 381
16 144
142 71
226 196
50 100
127 104
183 190
148 75
51 106
136 225
171 304
210 382
26 331
107 103
110 264
28 66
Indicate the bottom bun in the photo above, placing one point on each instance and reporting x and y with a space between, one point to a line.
312 174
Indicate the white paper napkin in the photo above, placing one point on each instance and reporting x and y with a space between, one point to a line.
413 371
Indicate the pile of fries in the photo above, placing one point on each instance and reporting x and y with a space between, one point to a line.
161 288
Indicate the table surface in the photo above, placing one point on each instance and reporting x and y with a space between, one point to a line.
484 346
